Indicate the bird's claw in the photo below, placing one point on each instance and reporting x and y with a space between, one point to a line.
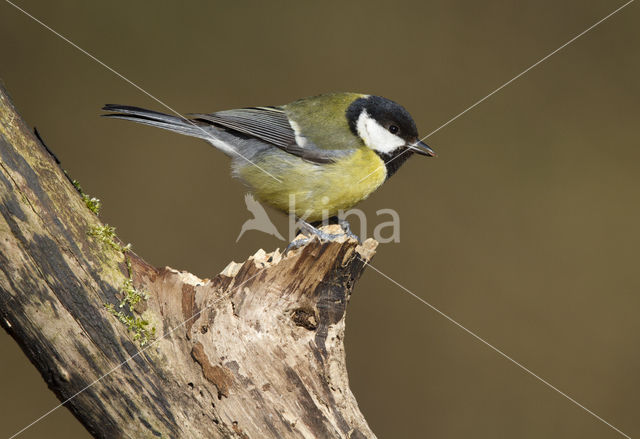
310 231
347 230
296 244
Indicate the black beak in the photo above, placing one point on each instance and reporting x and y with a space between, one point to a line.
422 148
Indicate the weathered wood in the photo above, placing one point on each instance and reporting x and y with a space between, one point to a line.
255 352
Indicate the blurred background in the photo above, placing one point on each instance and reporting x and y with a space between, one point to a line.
524 229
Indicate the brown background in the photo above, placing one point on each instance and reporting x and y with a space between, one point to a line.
525 229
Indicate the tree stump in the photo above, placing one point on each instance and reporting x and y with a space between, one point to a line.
255 352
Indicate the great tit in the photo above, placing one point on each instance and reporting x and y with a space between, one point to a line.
313 157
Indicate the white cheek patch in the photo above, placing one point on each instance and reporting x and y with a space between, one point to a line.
376 136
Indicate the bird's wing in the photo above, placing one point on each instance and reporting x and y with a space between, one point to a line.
269 124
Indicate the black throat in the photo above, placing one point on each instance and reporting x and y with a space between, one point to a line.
393 160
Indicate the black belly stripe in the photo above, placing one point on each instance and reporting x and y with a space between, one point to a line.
393 161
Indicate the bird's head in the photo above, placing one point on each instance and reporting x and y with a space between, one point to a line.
385 126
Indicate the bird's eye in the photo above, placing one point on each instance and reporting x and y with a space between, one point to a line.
393 129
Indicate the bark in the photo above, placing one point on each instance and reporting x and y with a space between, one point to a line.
255 352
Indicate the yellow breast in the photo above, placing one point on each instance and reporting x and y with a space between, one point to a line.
314 191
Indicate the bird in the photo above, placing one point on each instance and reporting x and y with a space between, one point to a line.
313 158
260 220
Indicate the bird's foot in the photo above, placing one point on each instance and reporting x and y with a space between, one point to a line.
346 227
310 231
296 244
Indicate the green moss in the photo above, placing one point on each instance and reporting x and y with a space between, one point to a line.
136 325
126 313
92 203
106 234
131 296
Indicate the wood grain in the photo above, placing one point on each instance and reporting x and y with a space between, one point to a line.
255 352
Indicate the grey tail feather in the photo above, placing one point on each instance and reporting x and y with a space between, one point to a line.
155 119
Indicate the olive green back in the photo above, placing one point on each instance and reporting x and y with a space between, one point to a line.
329 128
